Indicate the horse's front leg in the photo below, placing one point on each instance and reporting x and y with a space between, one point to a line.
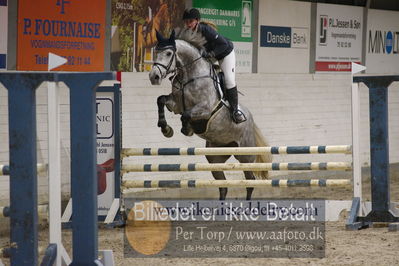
162 100
186 128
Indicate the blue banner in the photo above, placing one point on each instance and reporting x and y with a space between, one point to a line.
2 61
271 36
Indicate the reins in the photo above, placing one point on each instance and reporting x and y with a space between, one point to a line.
212 73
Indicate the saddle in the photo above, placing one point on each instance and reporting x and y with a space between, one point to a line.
220 86
221 82
200 126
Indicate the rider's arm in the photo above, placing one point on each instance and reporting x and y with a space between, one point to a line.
215 42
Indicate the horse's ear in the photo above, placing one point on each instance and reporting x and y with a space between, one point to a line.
159 36
172 36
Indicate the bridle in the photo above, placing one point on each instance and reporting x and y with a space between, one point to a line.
167 67
212 74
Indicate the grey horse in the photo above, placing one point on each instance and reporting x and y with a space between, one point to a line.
197 97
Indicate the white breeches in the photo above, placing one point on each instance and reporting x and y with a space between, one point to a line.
228 65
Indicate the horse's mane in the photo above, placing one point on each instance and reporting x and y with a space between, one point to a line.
194 38
188 44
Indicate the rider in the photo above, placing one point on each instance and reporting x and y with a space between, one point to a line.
215 45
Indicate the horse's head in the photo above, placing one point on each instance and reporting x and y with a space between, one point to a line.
165 58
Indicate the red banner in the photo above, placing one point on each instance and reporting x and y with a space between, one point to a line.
334 66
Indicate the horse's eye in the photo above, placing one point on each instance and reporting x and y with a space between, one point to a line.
169 53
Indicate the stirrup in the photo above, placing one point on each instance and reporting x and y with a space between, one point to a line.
238 116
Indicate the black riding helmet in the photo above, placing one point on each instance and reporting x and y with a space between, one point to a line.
192 13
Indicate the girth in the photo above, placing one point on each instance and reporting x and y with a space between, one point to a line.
200 126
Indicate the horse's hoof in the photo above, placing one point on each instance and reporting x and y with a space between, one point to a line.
183 131
186 132
167 131
162 124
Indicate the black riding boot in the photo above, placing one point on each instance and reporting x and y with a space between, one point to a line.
232 97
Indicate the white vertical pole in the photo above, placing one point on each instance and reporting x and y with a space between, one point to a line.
54 173
357 168
134 46
54 169
54 163
357 174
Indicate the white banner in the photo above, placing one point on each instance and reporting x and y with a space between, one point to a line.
3 34
105 150
382 42
338 37
299 37
243 52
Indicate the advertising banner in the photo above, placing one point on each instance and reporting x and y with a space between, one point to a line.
234 20
72 29
338 37
105 126
284 37
382 42
134 24
3 33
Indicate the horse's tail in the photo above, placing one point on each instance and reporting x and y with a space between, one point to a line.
264 158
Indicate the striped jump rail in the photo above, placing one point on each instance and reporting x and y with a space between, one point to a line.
126 168
346 149
235 183
5 169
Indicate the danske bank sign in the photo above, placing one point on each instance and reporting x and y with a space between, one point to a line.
283 37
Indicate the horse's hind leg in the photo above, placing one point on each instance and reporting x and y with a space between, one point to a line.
249 175
167 131
218 175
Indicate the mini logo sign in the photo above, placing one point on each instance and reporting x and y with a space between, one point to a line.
385 42
323 30
61 3
389 42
